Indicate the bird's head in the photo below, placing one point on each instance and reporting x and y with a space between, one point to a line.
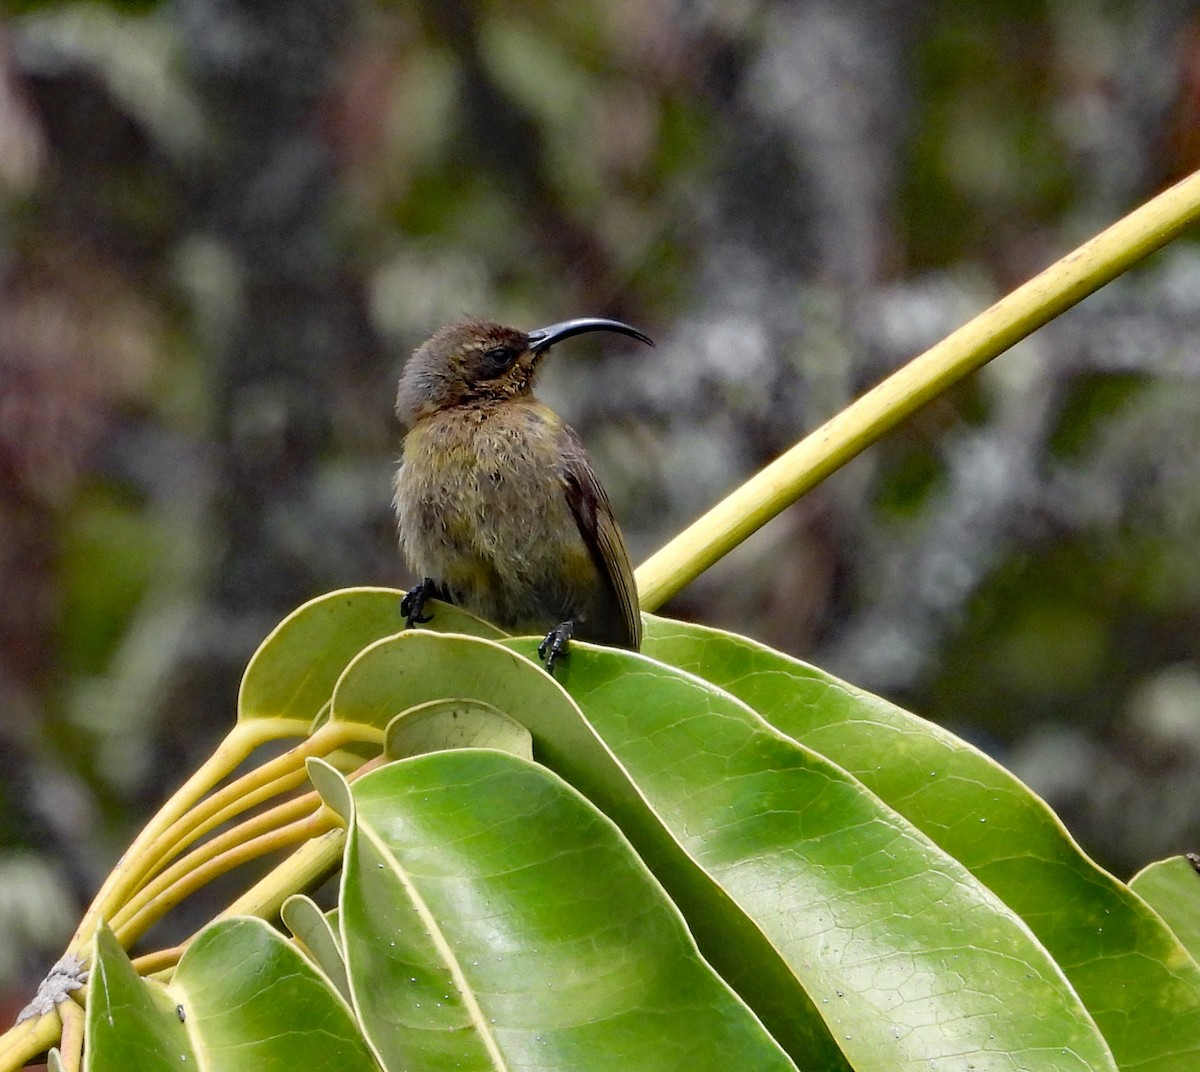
480 360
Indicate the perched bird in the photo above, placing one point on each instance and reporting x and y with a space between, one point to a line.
498 507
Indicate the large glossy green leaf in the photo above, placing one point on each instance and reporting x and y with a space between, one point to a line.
1117 954
293 672
880 926
417 667
493 919
910 958
1172 887
242 1000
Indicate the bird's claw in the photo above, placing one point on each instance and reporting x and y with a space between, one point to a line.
414 602
556 643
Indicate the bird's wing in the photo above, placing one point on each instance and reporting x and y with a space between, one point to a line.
594 516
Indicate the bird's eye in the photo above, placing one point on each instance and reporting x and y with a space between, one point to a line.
498 359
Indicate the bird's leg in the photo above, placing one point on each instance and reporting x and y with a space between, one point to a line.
415 599
555 644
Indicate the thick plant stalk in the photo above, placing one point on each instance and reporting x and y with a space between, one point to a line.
280 827
264 782
143 912
186 816
131 871
840 439
26 1040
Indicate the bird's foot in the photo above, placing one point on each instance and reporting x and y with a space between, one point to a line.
557 642
413 603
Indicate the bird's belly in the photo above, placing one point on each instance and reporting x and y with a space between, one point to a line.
489 519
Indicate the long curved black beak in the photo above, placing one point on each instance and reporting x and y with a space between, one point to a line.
541 339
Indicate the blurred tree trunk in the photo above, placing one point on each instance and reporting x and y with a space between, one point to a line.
264 73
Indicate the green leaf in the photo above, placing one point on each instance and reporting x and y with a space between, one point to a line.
313 929
332 787
253 1001
659 716
131 1022
1172 888
457 723
909 958
293 672
492 918
242 998
418 667
1116 953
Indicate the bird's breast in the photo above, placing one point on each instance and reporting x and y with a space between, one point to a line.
482 509
478 468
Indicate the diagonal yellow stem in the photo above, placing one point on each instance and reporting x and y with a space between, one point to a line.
264 833
144 913
265 781
815 457
196 869
22 1043
132 869
309 864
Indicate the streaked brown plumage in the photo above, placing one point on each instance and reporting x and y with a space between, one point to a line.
498 507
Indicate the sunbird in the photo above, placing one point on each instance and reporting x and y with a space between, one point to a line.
498 507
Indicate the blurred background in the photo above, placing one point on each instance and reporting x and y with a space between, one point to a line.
225 223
